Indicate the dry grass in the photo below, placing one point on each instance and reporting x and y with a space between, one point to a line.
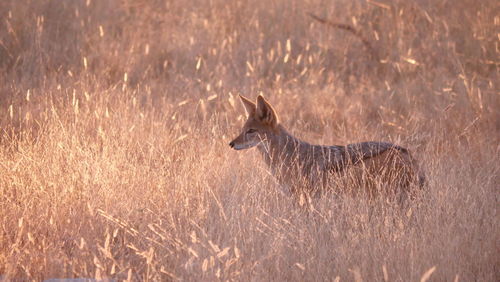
115 118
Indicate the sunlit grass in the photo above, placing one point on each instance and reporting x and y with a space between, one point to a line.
115 118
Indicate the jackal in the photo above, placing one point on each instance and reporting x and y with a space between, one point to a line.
375 167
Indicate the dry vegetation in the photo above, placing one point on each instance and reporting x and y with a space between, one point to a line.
115 118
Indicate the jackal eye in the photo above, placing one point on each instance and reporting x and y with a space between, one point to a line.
251 130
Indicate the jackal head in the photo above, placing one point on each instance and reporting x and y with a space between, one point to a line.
262 123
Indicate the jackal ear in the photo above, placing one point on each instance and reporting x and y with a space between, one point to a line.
265 112
250 106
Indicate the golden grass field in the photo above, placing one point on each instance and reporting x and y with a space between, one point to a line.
116 116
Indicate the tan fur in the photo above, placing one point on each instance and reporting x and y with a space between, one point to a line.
373 168
389 173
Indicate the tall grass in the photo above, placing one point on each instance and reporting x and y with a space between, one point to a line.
115 119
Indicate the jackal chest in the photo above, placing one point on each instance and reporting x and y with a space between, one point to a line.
294 170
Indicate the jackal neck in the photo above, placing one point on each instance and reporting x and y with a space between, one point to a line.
279 146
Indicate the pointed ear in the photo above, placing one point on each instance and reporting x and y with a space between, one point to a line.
265 112
250 107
